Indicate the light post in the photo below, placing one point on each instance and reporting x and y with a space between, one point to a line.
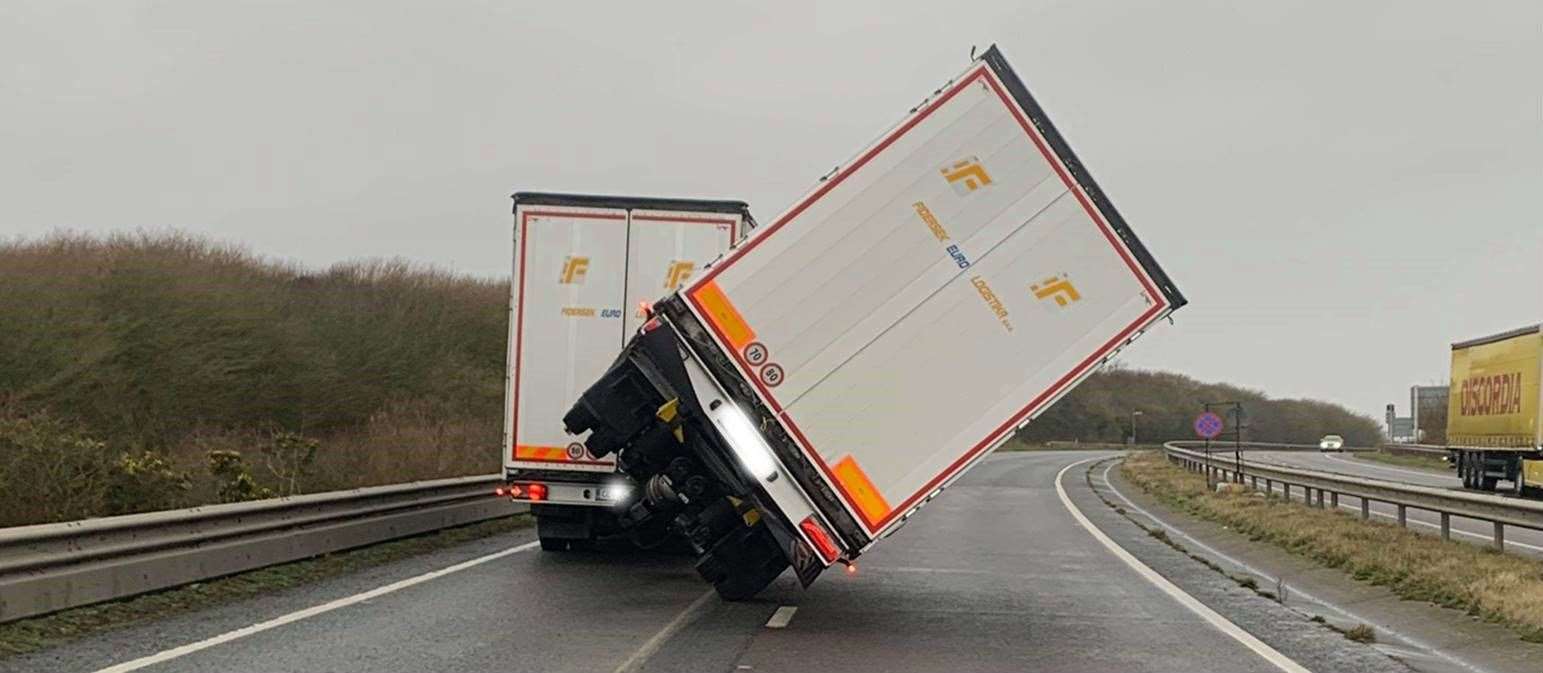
1133 416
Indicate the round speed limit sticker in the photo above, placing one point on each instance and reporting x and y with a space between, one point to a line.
772 375
756 353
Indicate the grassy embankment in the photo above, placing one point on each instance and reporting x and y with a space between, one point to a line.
142 372
1498 587
1420 461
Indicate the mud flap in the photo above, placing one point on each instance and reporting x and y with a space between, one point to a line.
806 563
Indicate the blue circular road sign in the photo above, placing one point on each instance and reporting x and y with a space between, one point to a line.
1209 425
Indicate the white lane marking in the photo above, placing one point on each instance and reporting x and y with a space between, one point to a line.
780 618
184 650
1210 616
652 645
1425 650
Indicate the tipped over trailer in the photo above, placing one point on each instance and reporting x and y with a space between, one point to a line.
583 266
806 395
1494 429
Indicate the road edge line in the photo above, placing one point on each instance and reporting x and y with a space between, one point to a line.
298 615
1193 604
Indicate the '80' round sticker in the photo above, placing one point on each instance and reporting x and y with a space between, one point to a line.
772 375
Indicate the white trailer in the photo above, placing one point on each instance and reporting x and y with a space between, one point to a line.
837 371
583 267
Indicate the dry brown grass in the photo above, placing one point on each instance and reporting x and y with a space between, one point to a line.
1498 587
126 359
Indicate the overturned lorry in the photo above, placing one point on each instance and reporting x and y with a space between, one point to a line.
806 394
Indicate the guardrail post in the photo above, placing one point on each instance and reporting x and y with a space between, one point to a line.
1446 526
1403 516
1285 488
1499 536
1366 508
1254 483
1334 500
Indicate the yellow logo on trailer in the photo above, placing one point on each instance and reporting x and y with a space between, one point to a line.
678 273
574 270
1058 287
966 175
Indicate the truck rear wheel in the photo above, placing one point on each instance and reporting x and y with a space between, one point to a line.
1486 482
742 563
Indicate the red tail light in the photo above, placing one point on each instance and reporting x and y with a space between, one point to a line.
536 492
821 540
499 491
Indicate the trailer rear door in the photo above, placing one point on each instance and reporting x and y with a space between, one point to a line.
570 274
666 249
941 289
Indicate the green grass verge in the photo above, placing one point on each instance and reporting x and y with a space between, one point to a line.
1424 462
59 628
1498 587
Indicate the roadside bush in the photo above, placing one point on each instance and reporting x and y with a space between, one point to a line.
174 348
144 482
49 469
1100 411
289 457
233 480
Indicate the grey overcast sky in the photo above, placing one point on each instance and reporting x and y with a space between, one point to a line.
1341 188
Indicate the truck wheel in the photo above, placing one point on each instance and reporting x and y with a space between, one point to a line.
1465 468
1486 482
742 563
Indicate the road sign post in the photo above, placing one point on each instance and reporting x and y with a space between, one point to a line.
1207 426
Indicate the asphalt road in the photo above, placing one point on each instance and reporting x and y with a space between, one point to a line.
998 574
1517 539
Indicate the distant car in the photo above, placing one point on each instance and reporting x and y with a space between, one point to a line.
1331 443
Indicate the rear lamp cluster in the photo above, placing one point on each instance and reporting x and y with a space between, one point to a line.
534 492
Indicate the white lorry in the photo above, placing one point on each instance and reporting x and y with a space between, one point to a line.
803 397
583 265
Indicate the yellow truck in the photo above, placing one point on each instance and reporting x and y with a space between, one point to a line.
1494 430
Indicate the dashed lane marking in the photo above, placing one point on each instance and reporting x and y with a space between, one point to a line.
780 618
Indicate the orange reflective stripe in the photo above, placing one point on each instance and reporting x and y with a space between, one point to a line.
527 452
855 483
723 314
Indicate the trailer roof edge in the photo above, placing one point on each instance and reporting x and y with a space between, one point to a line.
1511 334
